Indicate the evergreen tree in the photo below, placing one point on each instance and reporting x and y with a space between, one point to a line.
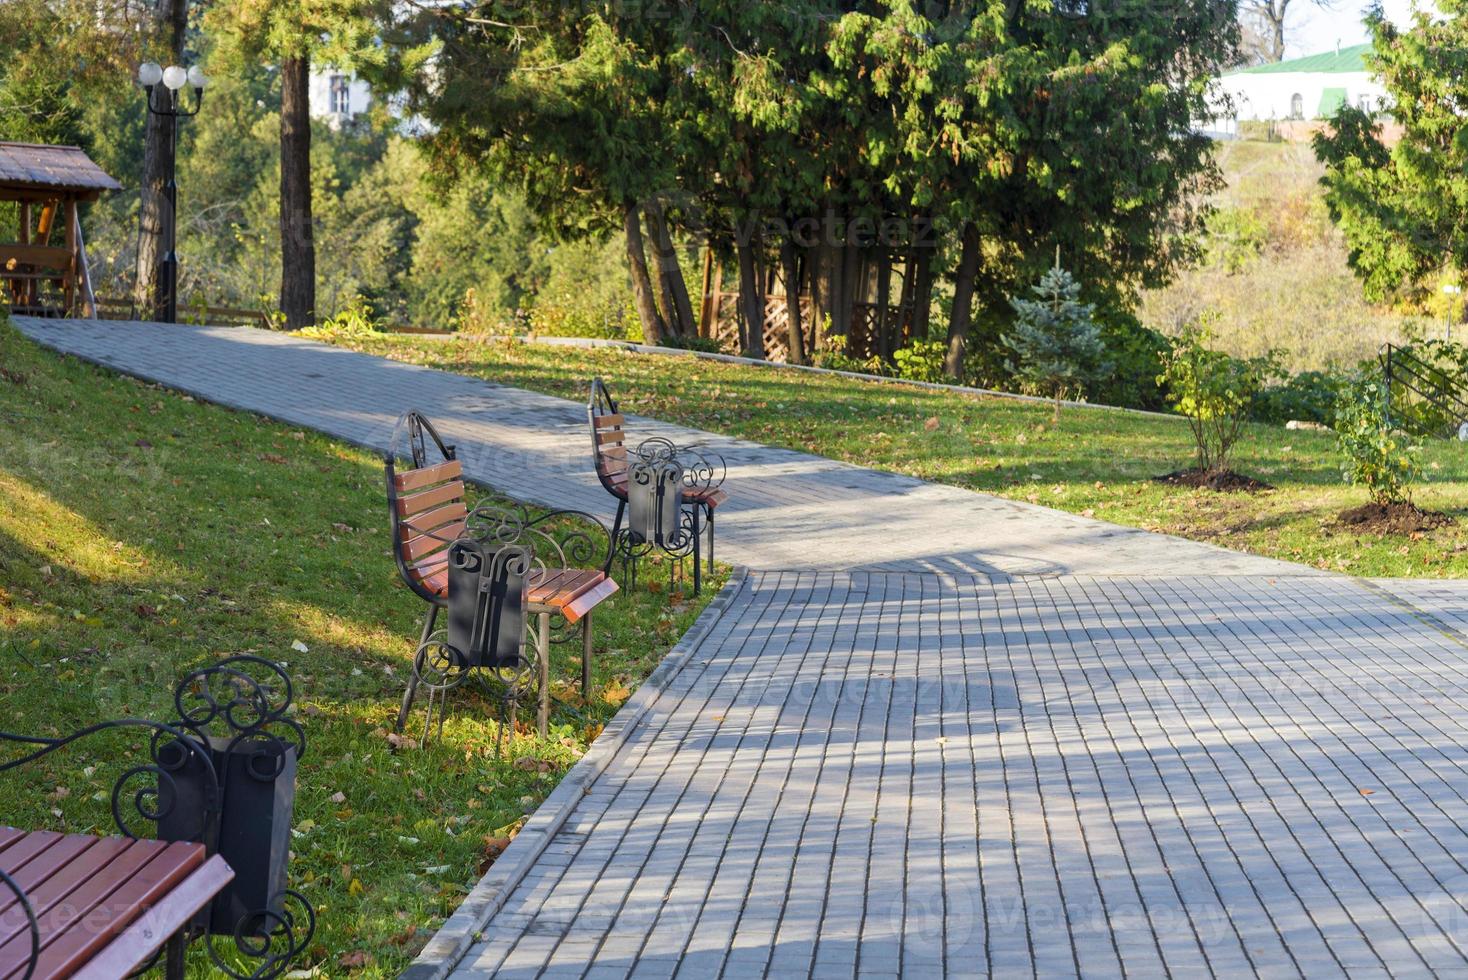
1401 208
1055 342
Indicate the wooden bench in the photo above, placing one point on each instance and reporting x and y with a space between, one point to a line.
610 455
429 513
98 908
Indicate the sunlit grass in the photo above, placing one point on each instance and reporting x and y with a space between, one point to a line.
143 535
1094 462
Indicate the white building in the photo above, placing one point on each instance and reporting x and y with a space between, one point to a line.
337 96
1303 88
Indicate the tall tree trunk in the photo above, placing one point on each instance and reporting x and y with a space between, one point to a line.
962 317
922 293
297 238
677 307
653 328
171 18
815 274
751 301
790 263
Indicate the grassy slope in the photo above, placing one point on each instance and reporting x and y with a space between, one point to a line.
1298 293
142 535
1097 462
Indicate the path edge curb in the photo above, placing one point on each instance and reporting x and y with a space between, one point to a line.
453 939
636 348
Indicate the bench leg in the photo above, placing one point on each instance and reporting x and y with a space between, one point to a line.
428 622
173 955
542 651
697 556
586 656
711 539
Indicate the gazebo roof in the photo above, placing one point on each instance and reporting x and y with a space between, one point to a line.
35 167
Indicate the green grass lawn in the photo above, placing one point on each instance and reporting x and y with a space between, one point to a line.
1095 462
143 534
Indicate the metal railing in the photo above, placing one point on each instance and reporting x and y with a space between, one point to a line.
1424 397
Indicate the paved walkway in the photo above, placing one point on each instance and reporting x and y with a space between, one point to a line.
938 733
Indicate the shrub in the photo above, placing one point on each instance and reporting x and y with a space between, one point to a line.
1055 340
1214 391
1309 396
1376 455
922 360
831 354
1136 354
1236 237
707 345
356 322
586 294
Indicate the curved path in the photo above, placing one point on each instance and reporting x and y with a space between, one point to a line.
934 732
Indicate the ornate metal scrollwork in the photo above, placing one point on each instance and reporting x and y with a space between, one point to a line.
233 733
666 485
32 925
250 707
257 934
150 787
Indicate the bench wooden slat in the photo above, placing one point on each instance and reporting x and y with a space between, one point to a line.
431 521
417 503
428 475
436 540
589 600
137 943
609 421
113 900
616 436
56 889
39 869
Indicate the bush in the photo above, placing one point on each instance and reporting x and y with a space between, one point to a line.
707 345
831 354
922 360
1309 396
1376 455
586 294
1136 354
1214 391
356 322
1236 237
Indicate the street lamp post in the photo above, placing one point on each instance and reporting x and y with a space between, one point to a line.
167 105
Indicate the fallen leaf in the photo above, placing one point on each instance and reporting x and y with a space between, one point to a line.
528 763
931 424
338 797
354 960
401 741
300 647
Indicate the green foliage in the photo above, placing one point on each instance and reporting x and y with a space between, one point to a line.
1135 354
1309 396
706 345
922 360
1376 454
355 322
585 294
1399 207
831 355
1236 237
1214 391
1055 341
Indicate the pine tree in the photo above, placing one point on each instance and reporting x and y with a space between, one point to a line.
1055 341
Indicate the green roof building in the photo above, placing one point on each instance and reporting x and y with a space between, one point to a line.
1313 87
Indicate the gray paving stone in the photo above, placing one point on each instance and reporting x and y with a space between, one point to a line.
972 737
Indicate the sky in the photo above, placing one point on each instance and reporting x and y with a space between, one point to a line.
1313 29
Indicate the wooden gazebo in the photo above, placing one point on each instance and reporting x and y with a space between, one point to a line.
44 271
